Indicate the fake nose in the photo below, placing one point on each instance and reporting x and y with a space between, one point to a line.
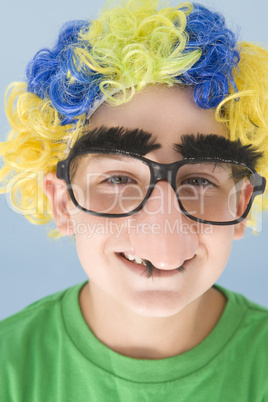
160 232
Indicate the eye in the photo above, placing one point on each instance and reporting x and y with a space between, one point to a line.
197 182
119 179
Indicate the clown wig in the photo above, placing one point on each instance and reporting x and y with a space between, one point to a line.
131 45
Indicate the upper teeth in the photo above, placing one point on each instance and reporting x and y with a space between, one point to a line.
135 258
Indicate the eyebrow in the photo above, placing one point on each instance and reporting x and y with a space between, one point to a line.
209 146
140 142
134 141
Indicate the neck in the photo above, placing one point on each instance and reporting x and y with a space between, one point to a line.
143 337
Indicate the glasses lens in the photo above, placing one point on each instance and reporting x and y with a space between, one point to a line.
216 192
109 183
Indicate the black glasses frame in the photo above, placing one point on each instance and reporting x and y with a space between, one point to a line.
161 171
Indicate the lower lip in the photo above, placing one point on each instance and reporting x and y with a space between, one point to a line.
140 270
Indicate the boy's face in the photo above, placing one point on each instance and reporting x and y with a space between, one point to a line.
159 233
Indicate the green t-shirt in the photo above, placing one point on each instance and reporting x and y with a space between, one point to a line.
48 353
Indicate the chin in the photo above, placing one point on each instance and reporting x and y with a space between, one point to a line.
157 304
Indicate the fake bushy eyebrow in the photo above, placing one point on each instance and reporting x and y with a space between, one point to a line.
116 138
209 146
137 141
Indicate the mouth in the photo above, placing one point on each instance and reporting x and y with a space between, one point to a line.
134 258
144 266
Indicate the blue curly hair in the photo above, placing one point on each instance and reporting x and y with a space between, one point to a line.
48 73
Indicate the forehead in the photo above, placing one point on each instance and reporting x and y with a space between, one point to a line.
166 112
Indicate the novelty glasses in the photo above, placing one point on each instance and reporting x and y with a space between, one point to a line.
118 184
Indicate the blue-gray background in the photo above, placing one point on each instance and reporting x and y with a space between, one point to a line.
31 265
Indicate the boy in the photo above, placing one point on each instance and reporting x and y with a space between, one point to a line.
149 129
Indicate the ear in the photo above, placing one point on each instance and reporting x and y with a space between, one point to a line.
57 194
244 197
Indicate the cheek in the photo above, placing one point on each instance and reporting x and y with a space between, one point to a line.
96 239
218 245
90 236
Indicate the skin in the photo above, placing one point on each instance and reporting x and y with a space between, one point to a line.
170 312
